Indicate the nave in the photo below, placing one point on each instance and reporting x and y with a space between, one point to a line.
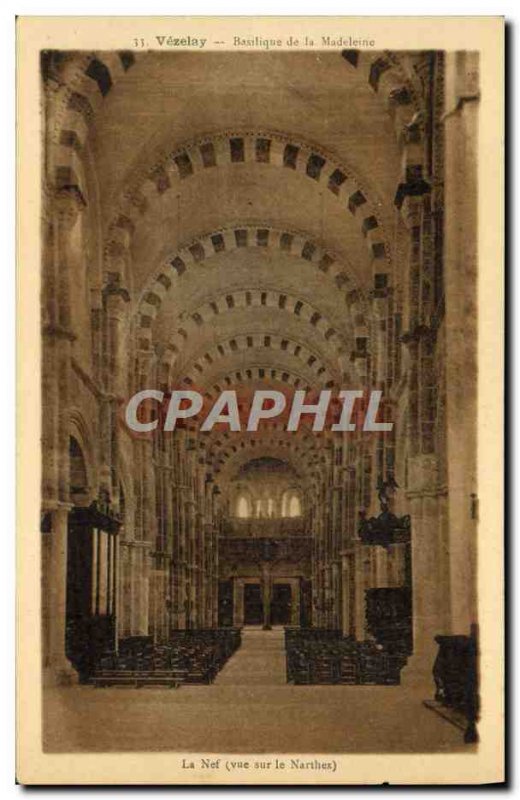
296 242
249 708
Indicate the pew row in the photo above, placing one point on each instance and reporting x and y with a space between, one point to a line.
189 657
315 656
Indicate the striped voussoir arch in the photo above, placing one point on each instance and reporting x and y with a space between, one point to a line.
385 75
403 98
233 301
84 83
304 462
78 87
262 148
225 453
256 374
227 466
294 243
242 343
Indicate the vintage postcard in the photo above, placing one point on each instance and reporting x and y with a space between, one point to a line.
260 331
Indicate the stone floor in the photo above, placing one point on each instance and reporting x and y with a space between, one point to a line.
249 708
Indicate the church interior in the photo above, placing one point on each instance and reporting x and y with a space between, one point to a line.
250 221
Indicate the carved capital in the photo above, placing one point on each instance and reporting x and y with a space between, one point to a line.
68 202
412 132
415 334
408 197
399 97
115 298
58 332
381 293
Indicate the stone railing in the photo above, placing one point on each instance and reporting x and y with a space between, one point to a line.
256 551
262 528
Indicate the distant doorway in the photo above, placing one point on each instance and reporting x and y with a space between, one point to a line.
225 604
253 606
281 604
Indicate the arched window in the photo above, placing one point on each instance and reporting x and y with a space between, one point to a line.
295 506
291 504
242 508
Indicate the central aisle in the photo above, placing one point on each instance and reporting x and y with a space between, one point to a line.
259 661
249 708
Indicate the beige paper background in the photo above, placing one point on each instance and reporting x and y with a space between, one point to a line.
103 33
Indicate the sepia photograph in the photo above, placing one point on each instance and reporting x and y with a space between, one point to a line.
259 453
